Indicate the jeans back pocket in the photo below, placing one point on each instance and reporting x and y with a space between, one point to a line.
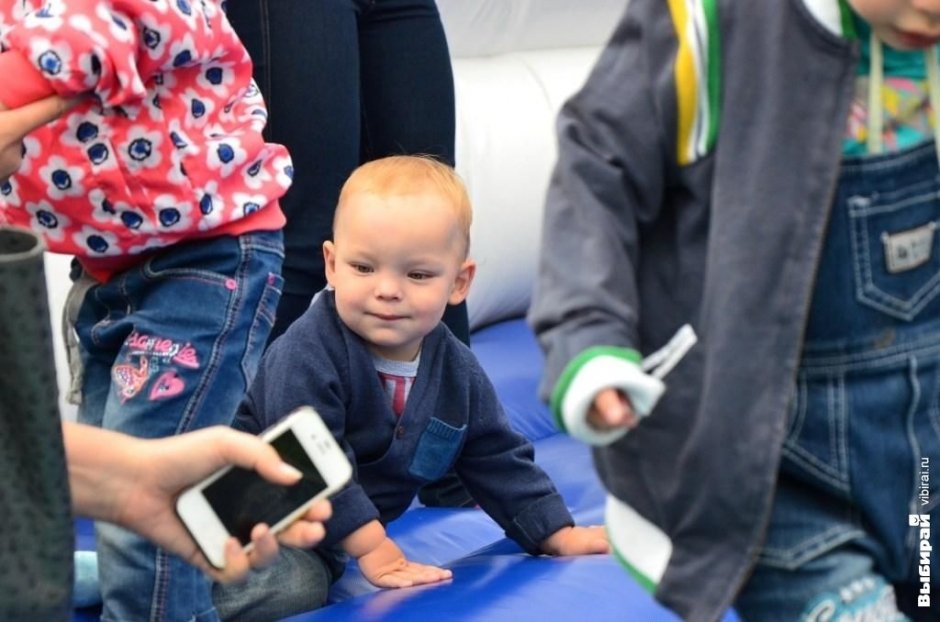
895 249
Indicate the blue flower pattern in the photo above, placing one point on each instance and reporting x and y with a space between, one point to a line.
50 63
98 153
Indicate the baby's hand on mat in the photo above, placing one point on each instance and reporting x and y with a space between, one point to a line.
576 541
386 566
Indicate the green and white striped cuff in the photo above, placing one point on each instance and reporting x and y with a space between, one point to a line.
593 370
641 547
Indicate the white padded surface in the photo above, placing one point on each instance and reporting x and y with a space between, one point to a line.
506 108
57 284
490 27
515 63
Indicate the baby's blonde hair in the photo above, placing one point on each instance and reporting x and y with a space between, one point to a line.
411 174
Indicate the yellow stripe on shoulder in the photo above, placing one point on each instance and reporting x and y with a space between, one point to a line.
696 75
685 79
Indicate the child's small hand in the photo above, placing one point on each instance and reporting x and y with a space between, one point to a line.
611 409
17 123
386 566
576 541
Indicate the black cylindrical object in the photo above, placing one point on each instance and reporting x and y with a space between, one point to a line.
36 535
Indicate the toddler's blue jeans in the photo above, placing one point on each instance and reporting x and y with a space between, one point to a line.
167 347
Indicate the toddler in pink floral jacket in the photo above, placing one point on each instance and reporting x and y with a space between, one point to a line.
158 180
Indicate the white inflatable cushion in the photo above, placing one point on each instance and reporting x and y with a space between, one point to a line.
506 109
489 27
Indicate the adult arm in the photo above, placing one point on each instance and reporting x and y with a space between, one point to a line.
134 483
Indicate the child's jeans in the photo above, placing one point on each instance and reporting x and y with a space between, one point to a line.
167 347
297 581
865 419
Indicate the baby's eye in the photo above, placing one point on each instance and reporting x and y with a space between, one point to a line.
361 268
419 276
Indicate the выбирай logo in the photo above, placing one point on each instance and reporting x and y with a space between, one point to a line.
922 522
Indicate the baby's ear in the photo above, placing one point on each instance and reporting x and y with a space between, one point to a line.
458 294
329 260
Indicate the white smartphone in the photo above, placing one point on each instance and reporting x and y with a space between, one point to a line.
231 501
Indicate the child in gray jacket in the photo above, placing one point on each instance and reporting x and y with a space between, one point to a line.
766 171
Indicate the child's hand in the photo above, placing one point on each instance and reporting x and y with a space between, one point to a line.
386 566
611 409
17 123
576 541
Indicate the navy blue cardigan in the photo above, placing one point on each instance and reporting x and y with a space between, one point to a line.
452 418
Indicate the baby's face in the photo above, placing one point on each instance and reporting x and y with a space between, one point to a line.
902 24
395 263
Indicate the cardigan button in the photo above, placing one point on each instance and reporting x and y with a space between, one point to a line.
400 432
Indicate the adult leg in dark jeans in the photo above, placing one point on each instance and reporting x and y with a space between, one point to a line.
403 51
345 81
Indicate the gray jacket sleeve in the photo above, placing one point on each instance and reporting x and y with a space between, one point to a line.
608 182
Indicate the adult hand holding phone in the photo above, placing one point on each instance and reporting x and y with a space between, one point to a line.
135 483
232 501
15 124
